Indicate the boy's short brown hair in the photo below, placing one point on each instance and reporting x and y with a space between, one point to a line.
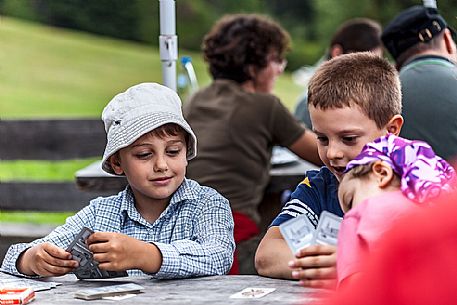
363 79
171 129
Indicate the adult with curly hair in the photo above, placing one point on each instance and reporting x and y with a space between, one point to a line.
238 121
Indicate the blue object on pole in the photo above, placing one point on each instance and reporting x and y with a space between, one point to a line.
187 80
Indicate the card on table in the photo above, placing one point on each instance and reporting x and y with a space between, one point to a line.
252 293
327 229
298 232
108 291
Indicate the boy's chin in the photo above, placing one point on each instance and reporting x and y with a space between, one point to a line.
339 175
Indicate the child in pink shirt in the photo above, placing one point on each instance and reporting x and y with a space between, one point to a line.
389 178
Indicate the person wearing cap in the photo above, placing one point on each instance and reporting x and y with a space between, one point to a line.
353 35
424 49
162 225
391 177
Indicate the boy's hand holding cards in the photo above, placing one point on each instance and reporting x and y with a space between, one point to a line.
300 233
88 267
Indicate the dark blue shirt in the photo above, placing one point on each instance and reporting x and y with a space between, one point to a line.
316 193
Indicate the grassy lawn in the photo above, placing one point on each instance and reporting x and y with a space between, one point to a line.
27 170
35 218
53 73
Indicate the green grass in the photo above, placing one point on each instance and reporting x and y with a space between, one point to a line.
34 218
26 170
49 72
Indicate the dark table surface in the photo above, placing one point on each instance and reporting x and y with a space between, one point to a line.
204 290
285 176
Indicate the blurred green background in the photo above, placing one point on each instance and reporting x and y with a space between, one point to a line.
68 58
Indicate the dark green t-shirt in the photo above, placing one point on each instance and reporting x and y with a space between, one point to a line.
429 96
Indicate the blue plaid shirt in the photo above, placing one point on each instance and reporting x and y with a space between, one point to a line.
194 233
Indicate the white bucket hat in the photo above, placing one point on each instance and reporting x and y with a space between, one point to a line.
137 111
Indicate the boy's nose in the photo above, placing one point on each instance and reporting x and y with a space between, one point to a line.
334 152
160 164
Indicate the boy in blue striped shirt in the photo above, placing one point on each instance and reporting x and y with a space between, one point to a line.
352 99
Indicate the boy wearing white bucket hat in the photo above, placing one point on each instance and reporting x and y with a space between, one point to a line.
162 224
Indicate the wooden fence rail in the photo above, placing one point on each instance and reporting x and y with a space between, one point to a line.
45 140
51 139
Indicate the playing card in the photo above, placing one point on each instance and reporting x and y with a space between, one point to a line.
327 229
252 293
108 291
298 232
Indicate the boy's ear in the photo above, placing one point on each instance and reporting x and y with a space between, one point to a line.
449 43
383 173
336 50
115 162
252 71
395 124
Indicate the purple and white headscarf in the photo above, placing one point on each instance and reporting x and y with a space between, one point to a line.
423 174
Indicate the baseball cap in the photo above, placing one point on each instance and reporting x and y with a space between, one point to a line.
137 111
417 24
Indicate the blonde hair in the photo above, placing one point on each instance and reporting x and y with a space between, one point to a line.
363 170
363 79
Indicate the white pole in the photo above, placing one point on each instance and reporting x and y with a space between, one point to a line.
429 3
168 42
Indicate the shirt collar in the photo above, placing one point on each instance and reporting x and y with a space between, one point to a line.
186 191
127 208
426 56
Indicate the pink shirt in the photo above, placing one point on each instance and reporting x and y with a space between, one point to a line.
364 225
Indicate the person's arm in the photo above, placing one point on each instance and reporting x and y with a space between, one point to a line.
273 255
29 259
315 263
306 147
287 131
314 266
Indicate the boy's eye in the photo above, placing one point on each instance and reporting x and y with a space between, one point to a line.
173 151
350 139
143 155
322 140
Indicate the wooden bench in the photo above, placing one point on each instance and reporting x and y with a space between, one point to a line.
45 140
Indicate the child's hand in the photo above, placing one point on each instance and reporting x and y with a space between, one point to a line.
46 260
315 266
119 252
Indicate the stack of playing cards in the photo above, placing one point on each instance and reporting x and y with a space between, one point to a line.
300 233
